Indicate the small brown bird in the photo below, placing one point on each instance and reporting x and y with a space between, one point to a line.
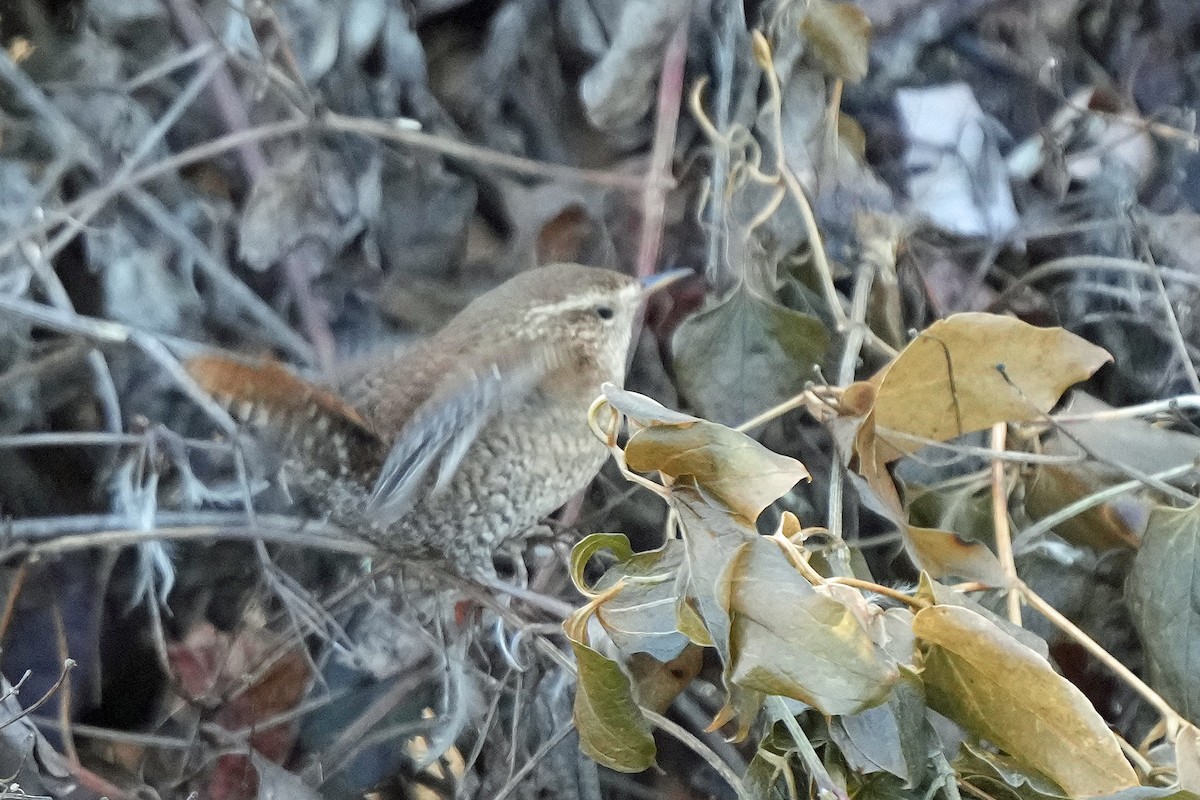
460 444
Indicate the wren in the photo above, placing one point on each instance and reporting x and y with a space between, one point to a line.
460 444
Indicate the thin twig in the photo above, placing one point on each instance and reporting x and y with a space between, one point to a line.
820 262
70 140
97 330
17 581
76 223
1148 479
774 412
44 536
689 740
538 756
851 353
232 110
1083 263
876 588
551 605
341 752
390 131
106 388
808 756
64 682
1004 549
267 322
991 453
725 55
100 330
99 438
88 204
68 665
1049 522
168 65
58 129
113 735
1180 343
1183 402
654 196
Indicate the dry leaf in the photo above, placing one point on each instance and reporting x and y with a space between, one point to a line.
940 553
840 36
995 687
948 381
728 466
786 638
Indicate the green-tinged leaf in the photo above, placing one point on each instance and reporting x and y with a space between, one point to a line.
840 35
936 593
788 639
712 537
1003 777
1052 487
1162 590
962 374
893 737
771 767
765 776
690 624
883 786
589 546
742 705
966 509
744 355
946 383
729 467
1000 690
642 617
612 729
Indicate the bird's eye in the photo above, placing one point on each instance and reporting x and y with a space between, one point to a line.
604 312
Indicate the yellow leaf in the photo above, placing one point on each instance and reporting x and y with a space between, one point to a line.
840 36
1000 690
950 380
786 638
728 466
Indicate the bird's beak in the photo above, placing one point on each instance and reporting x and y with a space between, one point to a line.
652 283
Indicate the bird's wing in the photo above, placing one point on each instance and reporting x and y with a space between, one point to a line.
442 429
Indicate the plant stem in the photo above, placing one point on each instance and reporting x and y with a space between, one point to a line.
1004 548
